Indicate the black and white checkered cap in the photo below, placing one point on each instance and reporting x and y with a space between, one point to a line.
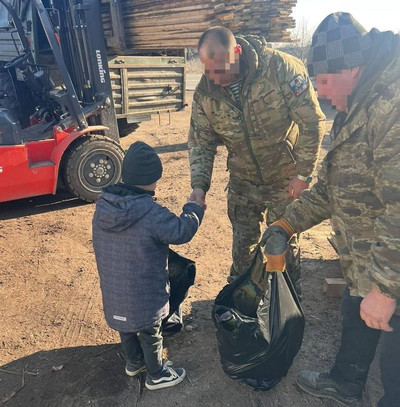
339 42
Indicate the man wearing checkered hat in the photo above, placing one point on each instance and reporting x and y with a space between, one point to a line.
359 189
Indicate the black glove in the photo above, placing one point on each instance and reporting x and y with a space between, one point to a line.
275 240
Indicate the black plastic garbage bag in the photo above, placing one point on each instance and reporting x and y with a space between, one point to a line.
260 326
182 273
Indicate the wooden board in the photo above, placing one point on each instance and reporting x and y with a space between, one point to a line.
179 23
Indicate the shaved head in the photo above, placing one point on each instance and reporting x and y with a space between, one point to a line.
216 40
220 55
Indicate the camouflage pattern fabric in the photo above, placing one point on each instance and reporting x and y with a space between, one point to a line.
277 124
250 207
246 298
273 134
359 188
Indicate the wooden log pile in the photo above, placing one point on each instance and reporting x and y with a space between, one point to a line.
179 23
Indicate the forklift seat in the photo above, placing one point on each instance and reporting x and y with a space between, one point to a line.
10 129
39 131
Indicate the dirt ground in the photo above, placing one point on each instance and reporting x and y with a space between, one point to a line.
55 347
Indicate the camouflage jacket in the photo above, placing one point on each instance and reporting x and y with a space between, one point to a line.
359 186
277 123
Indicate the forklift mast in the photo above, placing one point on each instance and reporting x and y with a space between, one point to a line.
75 34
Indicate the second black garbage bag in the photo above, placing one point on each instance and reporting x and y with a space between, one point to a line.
260 326
181 274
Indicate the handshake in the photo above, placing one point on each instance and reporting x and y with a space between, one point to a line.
274 241
198 196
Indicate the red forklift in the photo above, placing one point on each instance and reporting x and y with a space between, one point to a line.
65 132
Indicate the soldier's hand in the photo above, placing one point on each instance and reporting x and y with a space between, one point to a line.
199 196
296 186
377 309
275 240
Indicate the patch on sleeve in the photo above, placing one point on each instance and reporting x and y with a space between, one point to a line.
298 85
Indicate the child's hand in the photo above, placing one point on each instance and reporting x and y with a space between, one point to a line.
199 196
203 206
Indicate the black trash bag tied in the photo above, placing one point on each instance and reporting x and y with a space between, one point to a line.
260 326
181 273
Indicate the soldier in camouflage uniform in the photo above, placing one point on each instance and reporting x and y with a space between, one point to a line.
261 104
359 189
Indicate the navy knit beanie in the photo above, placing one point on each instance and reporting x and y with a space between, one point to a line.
339 42
141 165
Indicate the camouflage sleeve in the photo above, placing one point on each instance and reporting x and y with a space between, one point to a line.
312 207
202 144
384 268
305 111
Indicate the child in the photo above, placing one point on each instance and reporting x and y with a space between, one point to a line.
131 234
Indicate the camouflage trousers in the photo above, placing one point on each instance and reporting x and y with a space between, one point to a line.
250 209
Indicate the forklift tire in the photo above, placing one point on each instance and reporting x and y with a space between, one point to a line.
126 128
90 164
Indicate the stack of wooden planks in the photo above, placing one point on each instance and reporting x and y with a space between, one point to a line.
179 23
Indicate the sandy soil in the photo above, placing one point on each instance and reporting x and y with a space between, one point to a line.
55 348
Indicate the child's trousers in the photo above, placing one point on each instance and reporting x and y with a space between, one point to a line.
145 345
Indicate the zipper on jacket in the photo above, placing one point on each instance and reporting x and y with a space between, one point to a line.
252 155
245 91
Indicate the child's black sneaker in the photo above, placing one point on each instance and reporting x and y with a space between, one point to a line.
169 377
134 368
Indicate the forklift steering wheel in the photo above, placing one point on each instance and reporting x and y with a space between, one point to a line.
17 61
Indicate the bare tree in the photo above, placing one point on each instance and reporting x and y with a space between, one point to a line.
301 37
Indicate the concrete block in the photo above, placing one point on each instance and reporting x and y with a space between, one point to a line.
333 287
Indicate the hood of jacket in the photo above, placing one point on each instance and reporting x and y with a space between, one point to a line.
119 207
385 48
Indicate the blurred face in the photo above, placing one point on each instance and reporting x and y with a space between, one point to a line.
337 87
223 69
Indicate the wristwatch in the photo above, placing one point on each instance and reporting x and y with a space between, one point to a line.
304 179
